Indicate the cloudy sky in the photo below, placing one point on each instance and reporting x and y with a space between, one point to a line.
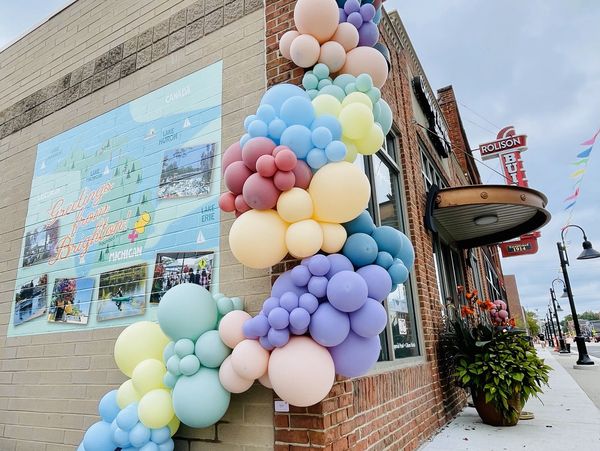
532 64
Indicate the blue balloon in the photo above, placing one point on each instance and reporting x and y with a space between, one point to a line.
334 91
183 347
167 446
150 446
316 158
331 123
361 249
385 116
299 139
108 407
388 239
384 259
321 137
173 365
160 435
364 82
350 88
297 111
248 121
374 94
343 80
407 253
363 223
99 437
335 151
377 17
312 93
128 417
114 426
310 81
121 438
168 351
377 113
324 83
277 94
266 113
398 272
139 435
328 326
81 447
321 71
258 128
276 128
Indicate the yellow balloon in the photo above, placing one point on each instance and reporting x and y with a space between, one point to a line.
326 104
148 375
340 192
334 237
356 120
351 151
257 238
140 341
173 425
304 238
357 97
372 142
155 409
295 205
126 394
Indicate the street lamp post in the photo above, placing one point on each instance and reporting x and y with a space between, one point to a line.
548 333
561 340
552 330
588 253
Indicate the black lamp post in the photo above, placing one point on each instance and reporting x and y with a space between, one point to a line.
587 253
561 340
552 331
548 333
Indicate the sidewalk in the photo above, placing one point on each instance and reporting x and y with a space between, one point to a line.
567 420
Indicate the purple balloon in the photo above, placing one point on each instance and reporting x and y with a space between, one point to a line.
248 329
343 16
265 343
261 325
299 318
279 337
378 281
285 283
288 301
319 265
338 263
367 11
329 326
369 320
356 355
279 318
355 19
295 331
347 291
317 286
368 34
351 6
300 275
308 302
269 305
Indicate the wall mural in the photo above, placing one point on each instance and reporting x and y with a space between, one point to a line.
122 208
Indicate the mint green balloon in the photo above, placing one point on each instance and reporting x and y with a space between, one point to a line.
200 400
184 347
173 365
169 379
238 304
168 351
224 305
211 350
189 365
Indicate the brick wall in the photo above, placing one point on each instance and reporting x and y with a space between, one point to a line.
50 385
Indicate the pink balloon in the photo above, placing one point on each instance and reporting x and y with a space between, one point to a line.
302 372
230 327
254 149
347 35
266 166
240 204
333 55
227 202
303 174
285 42
285 159
260 193
366 60
230 380
249 359
284 181
305 50
235 176
317 18
233 153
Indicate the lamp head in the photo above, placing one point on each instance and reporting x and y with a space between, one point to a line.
564 294
588 251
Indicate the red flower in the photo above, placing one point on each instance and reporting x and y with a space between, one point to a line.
466 311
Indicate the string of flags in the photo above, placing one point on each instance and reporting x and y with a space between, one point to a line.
581 164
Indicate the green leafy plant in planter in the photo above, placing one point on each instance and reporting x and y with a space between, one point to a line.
495 361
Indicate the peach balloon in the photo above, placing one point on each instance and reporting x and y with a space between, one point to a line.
230 327
302 372
286 41
305 50
332 55
249 359
366 60
230 380
295 205
317 17
265 381
304 238
334 237
347 35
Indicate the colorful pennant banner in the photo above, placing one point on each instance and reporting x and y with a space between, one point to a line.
582 161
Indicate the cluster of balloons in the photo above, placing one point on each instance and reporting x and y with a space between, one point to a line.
499 314
362 17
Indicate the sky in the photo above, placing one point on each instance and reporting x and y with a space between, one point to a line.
532 64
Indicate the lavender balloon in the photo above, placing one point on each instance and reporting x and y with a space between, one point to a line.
279 318
367 11
318 286
355 19
351 6
288 301
368 34
308 302
379 282
338 263
343 15
285 283
279 337
319 265
329 326
369 320
299 319
265 343
300 275
356 355
347 291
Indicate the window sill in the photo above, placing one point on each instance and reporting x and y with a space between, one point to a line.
391 365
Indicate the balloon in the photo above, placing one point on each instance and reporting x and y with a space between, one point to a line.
265 166
316 18
285 159
189 365
398 272
370 320
347 35
299 318
139 435
304 238
317 286
356 120
285 43
312 369
385 116
367 11
367 60
279 318
304 51
332 90
303 175
356 355
368 35
300 275
210 349
295 205
358 97
363 223
227 202
184 347
160 435
310 81
284 181
233 153
249 359
338 263
316 158
335 151
139 341
265 381
173 365
173 425
166 446
340 191
235 176
121 437
384 259
232 381
260 192
371 142
257 239
155 408
279 93
298 138
321 137
285 283
330 123
297 111
126 394
108 407
333 55
329 326
319 265
230 330
334 237
388 239
378 280
187 311
326 104
308 302
278 337
128 417
169 379
240 204
200 400
361 249
254 149
224 306
289 301
98 437
148 375
347 291
407 253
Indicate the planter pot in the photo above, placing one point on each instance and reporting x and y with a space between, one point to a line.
489 414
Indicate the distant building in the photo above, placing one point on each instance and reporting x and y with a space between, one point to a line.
513 299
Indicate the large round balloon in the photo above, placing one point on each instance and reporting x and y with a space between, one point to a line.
230 329
302 372
340 192
317 18
108 406
139 341
155 408
366 60
277 94
200 400
126 394
99 437
231 380
210 349
187 311
257 239
356 355
249 359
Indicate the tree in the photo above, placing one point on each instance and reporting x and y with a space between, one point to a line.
532 323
